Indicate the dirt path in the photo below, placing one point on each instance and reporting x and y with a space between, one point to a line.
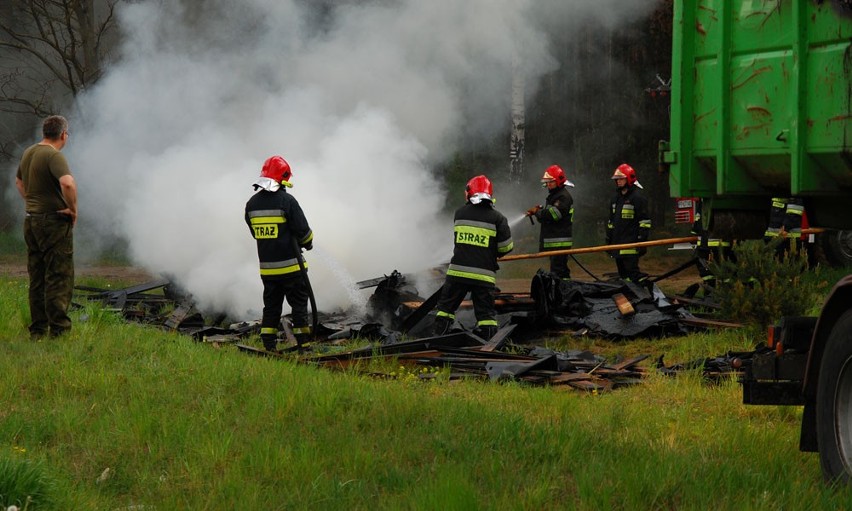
515 280
128 274
513 277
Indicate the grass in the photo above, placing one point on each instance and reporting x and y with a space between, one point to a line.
12 246
182 425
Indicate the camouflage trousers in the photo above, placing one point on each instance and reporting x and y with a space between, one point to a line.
50 264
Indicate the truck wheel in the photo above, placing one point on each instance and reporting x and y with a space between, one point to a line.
834 403
837 247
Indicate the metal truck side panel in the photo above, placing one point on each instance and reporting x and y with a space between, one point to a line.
762 103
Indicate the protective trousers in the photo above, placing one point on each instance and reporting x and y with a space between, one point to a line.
628 268
50 264
559 266
483 306
274 292
707 252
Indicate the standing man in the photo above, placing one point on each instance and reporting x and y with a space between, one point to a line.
49 191
629 222
556 218
482 236
278 224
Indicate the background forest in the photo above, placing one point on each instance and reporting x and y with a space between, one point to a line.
384 108
599 107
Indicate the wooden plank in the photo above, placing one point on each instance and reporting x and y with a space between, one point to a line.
623 304
710 323
498 339
682 300
567 377
629 362
600 248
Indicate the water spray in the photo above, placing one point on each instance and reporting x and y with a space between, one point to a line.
515 221
356 298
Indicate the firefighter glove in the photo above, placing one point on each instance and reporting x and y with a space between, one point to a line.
533 210
309 246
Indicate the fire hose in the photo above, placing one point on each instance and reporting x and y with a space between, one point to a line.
304 271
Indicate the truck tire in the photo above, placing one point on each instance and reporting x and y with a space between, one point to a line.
837 247
834 403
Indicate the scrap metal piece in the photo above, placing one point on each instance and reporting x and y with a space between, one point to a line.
288 334
510 370
453 340
421 312
498 339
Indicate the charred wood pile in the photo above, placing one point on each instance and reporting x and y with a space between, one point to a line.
398 323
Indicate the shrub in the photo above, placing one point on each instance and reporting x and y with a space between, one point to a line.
757 286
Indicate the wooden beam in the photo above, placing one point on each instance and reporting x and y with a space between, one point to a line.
601 248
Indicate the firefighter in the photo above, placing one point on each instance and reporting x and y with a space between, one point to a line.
556 218
708 250
629 222
281 230
482 236
785 221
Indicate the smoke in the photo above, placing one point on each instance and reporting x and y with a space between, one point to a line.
361 98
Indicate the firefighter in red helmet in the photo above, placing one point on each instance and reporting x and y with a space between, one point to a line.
281 230
556 218
482 236
629 222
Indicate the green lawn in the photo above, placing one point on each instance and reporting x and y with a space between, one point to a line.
121 416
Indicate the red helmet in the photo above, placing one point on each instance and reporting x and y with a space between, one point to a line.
555 173
277 169
478 189
625 171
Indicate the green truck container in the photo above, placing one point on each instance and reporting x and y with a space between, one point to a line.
762 107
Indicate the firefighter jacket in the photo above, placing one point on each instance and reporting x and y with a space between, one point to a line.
785 213
482 236
629 220
281 230
556 219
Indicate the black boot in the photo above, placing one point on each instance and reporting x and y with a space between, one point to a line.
485 332
270 342
442 326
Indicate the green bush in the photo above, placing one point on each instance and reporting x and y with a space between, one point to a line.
758 287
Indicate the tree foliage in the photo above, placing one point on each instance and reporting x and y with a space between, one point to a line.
757 286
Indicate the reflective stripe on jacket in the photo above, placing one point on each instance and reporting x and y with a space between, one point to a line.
557 220
481 236
275 219
629 219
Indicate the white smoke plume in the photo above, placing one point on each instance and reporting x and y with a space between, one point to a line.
361 98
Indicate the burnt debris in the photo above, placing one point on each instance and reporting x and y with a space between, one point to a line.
398 324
